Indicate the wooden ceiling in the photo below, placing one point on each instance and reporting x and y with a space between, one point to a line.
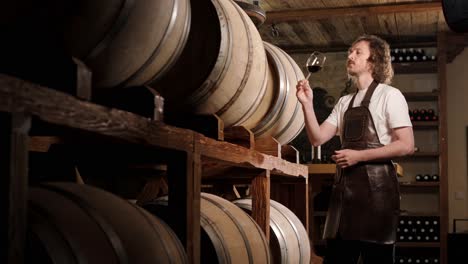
332 25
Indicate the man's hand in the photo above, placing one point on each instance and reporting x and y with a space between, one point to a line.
347 157
304 92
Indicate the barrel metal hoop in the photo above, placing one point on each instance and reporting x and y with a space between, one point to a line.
277 110
179 47
157 49
247 72
222 62
114 239
239 227
296 231
125 10
38 213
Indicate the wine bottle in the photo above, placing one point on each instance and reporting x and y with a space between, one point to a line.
316 155
416 115
435 177
419 54
426 177
419 177
423 114
409 55
424 55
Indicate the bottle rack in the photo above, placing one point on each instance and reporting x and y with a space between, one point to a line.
428 159
110 136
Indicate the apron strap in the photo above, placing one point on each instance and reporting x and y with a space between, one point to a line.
366 101
352 102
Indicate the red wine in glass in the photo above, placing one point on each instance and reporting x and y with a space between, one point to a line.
314 68
315 62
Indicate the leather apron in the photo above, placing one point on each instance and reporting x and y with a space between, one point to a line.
365 199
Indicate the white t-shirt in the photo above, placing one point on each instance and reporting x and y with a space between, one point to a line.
388 108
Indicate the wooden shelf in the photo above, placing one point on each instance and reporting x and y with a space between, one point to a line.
425 124
419 184
421 96
415 67
418 214
420 155
418 244
331 169
184 151
322 168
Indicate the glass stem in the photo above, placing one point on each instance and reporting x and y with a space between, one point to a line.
308 75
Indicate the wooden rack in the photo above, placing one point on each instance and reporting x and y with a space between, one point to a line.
189 156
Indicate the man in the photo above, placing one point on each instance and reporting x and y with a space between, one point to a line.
374 126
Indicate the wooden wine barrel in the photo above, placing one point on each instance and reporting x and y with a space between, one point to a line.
279 114
70 223
222 69
128 42
456 15
289 241
228 234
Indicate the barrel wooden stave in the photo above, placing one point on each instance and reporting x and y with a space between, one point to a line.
98 227
229 78
279 115
129 42
287 233
234 236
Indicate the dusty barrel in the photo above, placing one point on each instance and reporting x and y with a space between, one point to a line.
279 114
222 69
128 42
70 223
289 241
228 234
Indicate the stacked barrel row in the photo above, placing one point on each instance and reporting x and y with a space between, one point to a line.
204 58
99 227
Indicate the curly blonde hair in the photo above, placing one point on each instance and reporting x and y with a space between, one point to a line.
380 60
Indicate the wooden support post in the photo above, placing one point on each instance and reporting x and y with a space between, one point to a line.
83 80
301 202
184 180
261 201
14 129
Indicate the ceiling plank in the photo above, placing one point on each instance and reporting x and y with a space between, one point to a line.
322 13
409 42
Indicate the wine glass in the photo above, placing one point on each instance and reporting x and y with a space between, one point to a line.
315 62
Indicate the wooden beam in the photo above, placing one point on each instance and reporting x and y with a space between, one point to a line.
365 10
407 42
